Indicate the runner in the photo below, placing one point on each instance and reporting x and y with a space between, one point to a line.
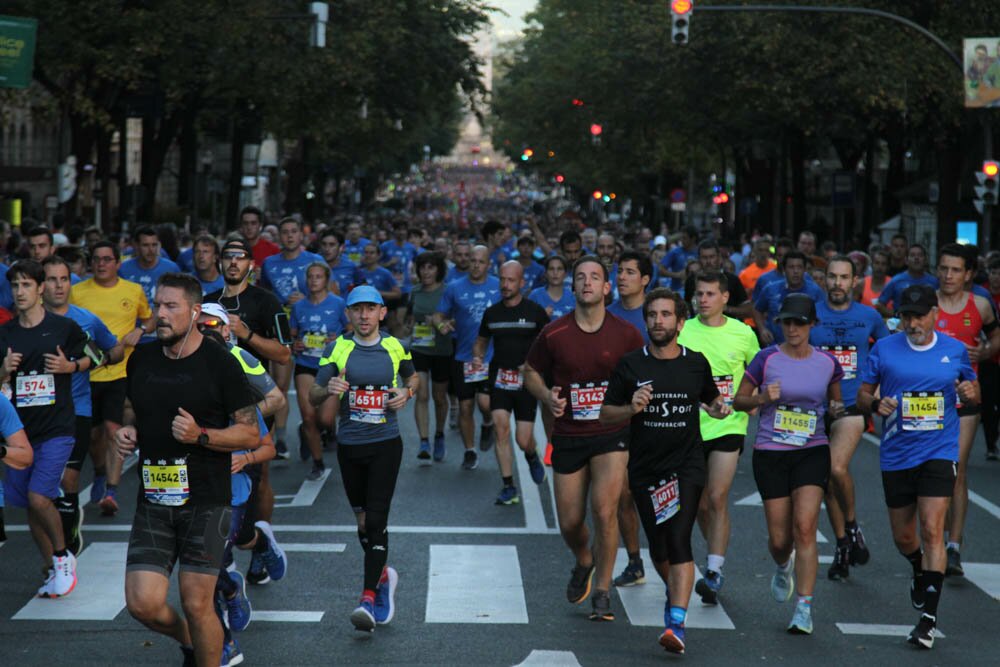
207 265
920 376
587 455
379 277
867 292
16 452
710 257
635 271
968 318
661 388
511 325
555 297
343 272
397 256
844 331
186 440
354 243
372 377
791 458
461 310
915 274
251 225
767 300
730 346
149 264
461 255
674 264
534 273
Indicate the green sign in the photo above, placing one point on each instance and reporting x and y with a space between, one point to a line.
17 51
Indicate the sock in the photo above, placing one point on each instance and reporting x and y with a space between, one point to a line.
807 599
530 456
72 498
368 595
112 489
955 546
279 433
100 472
188 652
634 558
786 566
439 434
678 615
851 526
363 538
916 561
508 480
715 562
60 554
318 463
933 582
843 542
263 544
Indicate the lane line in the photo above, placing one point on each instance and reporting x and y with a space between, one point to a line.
316 547
260 616
550 659
474 584
308 492
880 630
986 576
100 588
352 528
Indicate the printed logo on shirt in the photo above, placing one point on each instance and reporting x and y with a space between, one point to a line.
945 359
126 304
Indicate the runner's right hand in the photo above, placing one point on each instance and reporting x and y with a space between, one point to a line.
125 441
338 384
641 398
557 405
11 361
771 393
887 406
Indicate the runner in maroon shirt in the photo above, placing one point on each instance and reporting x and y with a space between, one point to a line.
568 369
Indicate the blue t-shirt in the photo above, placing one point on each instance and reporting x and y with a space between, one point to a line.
887 297
845 334
534 276
768 301
771 276
286 276
454 274
6 296
353 251
10 423
241 484
677 259
633 317
465 302
559 308
379 278
345 274
896 367
185 260
102 336
146 278
314 323
209 286
404 256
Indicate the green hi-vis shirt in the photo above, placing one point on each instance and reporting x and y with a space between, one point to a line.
729 350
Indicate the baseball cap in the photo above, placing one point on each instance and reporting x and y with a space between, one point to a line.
364 294
237 244
659 240
799 307
215 310
917 300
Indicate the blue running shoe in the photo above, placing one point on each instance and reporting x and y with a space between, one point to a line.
424 455
274 558
508 496
439 447
783 582
231 654
537 469
98 488
802 620
672 639
385 596
709 586
363 618
238 609
257 574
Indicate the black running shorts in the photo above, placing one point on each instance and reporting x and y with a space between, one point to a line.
778 473
570 454
195 534
931 479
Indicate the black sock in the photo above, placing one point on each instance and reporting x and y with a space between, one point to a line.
915 559
851 526
438 434
933 582
530 456
72 498
262 543
363 538
634 558
60 554
112 487
318 463
508 481
843 542
100 472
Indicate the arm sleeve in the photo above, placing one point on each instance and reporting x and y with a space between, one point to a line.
619 390
447 302
539 357
326 373
484 324
760 298
888 294
878 330
406 368
103 336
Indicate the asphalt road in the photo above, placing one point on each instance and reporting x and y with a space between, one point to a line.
484 585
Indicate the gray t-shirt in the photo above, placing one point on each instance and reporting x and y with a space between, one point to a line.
364 419
424 304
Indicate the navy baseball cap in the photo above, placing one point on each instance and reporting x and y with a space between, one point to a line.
798 307
917 300
364 294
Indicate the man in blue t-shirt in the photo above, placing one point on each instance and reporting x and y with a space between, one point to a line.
148 264
767 302
354 243
915 274
370 273
920 375
206 264
844 330
343 272
461 255
675 262
398 255
634 273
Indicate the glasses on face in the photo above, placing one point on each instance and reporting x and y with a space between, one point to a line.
215 323
103 259
233 256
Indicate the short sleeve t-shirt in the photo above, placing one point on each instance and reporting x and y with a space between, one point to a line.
890 293
565 304
795 420
345 274
768 301
581 363
353 250
677 259
466 302
404 256
286 276
120 307
97 332
632 316
737 295
512 330
846 334
10 423
665 437
925 425
317 324
379 278
132 271
211 386
426 338
255 306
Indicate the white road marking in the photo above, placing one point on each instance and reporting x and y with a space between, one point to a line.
100 589
307 493
317 547
880 630
977 499
550 659
644 603
752 500
474 584
531 499
260 616
986 576
352 528
127 465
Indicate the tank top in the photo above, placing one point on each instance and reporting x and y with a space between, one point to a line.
868 295
965 325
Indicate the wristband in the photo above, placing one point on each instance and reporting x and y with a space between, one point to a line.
875 404
247 339
76 365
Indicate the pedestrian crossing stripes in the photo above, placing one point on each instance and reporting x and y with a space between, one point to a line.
475 584
99 593
880 630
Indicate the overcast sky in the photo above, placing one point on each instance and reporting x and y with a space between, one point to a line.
506 26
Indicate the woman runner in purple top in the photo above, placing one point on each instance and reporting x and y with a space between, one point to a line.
791 458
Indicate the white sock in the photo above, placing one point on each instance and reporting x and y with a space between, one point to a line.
715 562
955 545
786 566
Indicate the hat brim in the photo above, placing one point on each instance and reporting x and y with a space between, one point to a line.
914 309
796 317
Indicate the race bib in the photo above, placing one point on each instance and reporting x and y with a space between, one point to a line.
473 374
846 356
367 405
724 383
666 499
35 389
354 257
585 402
794 426
314 344
423 335
166 482
922 410
509 379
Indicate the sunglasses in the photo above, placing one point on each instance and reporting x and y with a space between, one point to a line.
211 324
235 255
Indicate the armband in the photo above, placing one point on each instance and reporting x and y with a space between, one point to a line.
95 353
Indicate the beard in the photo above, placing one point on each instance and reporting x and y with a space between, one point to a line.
230 280
663 340
837 297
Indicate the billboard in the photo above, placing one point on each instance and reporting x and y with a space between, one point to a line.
17 51
981 56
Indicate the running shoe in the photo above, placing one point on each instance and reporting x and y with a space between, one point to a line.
257 573
632 574
363 618
109 503
537 469
954 568
487 437
231 654
470 460
385 596
238 608
274 558
783 582
709 586
859 549
424 455
97 488
46 588
840 568
281 450
63 579
439 447
916 594
317 471
600 607
303 445
672 639
578 588
453 417
802 620
992 454
508 496
922 636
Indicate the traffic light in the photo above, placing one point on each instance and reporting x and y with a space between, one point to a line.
560 178
526 154
596 129
989 183
680 14
721 198
597 194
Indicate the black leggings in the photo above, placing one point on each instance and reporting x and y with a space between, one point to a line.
369 473
669 541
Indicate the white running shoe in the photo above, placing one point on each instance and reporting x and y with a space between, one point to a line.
64 577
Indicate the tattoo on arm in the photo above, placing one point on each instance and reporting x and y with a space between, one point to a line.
246 416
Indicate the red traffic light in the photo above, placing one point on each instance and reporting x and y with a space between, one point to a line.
596 129
597 194
560 178
577 102
681 6
721 198
991 168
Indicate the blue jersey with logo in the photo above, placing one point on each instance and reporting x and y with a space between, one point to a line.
146 278
285 276
633 317
379 278
534 275
890 293
404 256
102 336
677 259
903 372
465 302
768 301
559 308
353 251
845 334
315 323
345 274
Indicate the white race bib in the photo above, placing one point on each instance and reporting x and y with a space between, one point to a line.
35 389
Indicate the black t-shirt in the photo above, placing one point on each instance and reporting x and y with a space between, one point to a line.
513 330
44 416
256 307
211 386
737 293
666 436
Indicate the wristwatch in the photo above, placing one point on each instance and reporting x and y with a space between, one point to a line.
203 438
